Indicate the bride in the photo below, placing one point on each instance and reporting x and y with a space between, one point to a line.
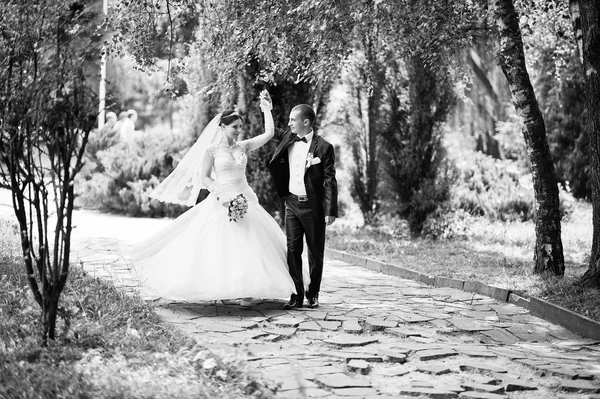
209 252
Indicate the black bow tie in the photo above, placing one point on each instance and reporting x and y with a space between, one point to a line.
300 139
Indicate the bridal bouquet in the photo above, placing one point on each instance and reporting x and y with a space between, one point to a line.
238 208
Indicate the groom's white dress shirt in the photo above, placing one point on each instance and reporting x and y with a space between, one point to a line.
297 154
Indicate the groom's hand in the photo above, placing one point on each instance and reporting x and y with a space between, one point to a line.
329 220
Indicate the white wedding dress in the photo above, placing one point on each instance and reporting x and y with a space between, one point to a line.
202 255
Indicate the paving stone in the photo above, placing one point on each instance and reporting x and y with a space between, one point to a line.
247 324
413 317
483 315
394 356
530 332
347 356
221 328
272 362
243 336
402 332
329 325
474 351
395 371
578 386
272 338
287 322
428 392
516 384
424 340
351 326
480 395
467 324
434 354
435 369
474 386
488 368
294 382
435 314
264 348
350 340
484 379
533 362
376 324
359 366
564 372
502 336
326 370
303 393
409 347
421 383
338 317
508 309
316 335
317 315
342 381
309 326
355 392
284 332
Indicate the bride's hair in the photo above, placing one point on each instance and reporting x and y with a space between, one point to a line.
228 117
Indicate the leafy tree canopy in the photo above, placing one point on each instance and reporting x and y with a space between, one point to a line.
299 40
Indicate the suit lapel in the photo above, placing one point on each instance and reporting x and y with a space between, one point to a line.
283 145
313 144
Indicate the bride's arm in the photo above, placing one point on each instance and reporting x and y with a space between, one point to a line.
262 139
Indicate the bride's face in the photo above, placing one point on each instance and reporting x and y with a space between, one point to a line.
233 130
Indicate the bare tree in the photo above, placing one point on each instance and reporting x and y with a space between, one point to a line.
548 255
47 111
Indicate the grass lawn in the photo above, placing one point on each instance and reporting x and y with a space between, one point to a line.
115 347
494 253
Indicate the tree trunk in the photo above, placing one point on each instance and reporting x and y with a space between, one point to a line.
548 255
586 21
49 314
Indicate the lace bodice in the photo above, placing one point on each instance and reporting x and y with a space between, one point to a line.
230 169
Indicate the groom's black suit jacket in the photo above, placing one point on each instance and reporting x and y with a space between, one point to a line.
319 179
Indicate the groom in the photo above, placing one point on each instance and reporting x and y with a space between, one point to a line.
303 168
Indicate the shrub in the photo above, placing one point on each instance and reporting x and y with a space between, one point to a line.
493 188
433 194
497 190
125 176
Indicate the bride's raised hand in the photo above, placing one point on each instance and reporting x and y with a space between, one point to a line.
266 104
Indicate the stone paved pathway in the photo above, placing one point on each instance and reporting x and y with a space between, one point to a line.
374 336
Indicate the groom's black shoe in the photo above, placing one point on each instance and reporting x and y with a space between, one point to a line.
313 302
293 304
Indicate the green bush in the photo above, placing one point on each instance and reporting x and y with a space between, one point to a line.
432 195
492 188
497 190
125 175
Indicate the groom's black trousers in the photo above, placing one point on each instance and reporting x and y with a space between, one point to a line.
299 223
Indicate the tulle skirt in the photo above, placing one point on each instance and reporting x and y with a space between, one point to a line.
202 255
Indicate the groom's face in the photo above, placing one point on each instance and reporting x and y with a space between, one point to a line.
297 125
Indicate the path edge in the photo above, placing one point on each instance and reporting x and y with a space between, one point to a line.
572 321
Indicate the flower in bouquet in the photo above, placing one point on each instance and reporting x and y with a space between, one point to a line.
238 208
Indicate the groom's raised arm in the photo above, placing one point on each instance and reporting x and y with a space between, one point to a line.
280 133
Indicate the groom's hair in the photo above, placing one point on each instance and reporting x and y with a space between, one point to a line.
305 111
